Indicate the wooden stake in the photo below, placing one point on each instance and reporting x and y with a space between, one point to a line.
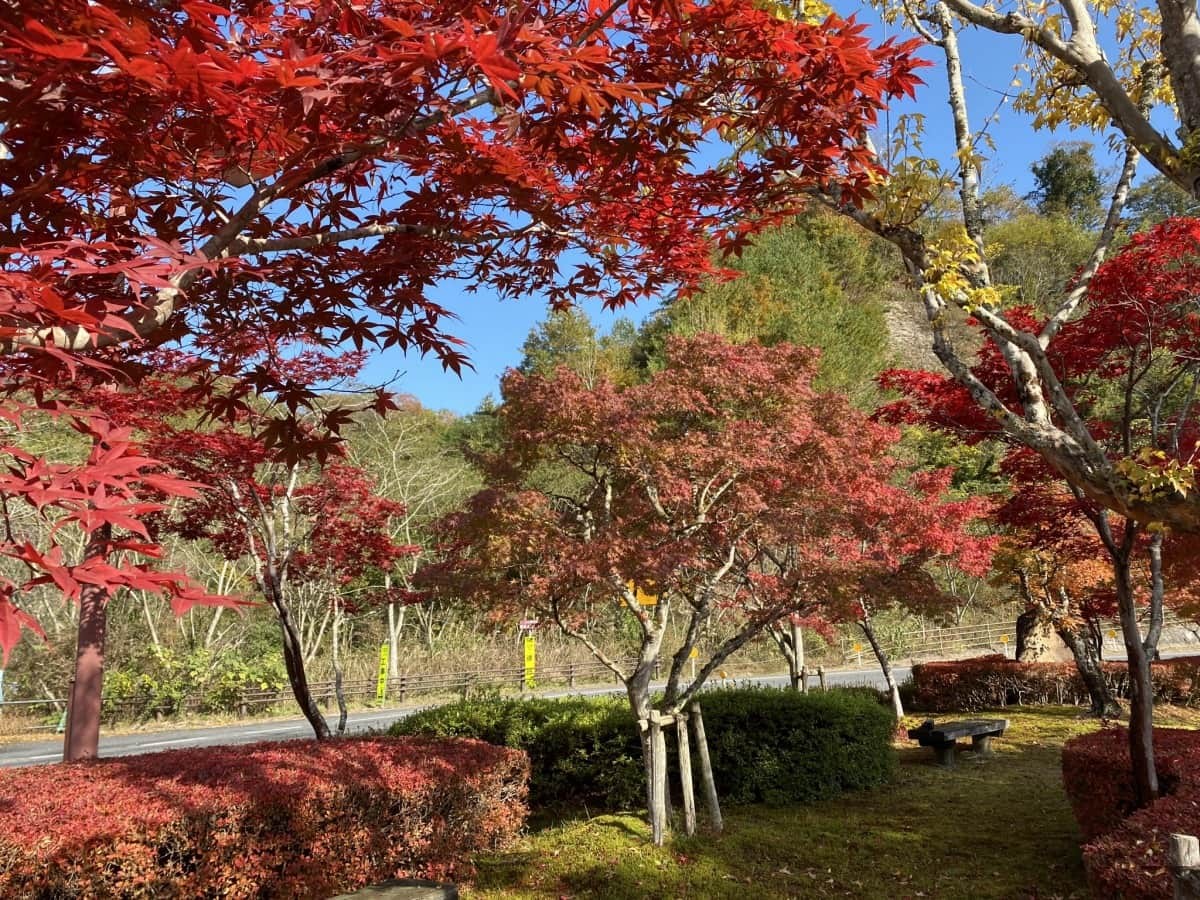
706 775
685 775
1183 857
658 781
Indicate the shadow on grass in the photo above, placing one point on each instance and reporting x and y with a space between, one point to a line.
993 827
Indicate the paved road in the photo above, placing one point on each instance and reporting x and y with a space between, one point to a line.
50 750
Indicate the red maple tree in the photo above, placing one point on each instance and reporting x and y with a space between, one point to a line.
1126 368
725 486
295 521
247 180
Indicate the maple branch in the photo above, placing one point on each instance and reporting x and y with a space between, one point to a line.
144 322
586 641
915 21
722 653
706 503
629 598
328 238
655 502
964 143
598 23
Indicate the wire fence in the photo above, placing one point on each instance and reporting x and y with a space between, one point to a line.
46 714
999 637
356 691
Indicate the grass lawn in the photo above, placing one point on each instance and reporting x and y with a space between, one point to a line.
993 827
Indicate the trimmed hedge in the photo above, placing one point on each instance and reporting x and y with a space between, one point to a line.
1126 853
986 682
295 819
583 752
776 746
766 745
1131 861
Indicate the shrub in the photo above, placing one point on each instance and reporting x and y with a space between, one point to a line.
1126 853
1130 862
772 746
986 682
164 682
583 752
766 744
1097 773
295 819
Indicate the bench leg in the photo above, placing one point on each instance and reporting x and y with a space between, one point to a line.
982 744
945 754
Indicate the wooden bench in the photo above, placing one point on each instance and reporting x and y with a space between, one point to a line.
943 738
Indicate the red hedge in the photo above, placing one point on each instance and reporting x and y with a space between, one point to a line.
295 819
1131 862
986 682
1127 853
1098 780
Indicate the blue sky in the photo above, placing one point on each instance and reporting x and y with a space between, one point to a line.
495 330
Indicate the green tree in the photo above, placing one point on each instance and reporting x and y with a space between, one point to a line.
1037 256
1068 184
568 338
1156 199
816 282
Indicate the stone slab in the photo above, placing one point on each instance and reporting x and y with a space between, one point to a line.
403 889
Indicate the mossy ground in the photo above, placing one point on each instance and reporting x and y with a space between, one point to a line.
994 827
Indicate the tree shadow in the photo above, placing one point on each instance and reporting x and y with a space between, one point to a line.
995 826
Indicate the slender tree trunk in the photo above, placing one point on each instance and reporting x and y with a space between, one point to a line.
884 664
1141 694
293 659
343 712
797 660
1081 643
82 738
787 642
395 624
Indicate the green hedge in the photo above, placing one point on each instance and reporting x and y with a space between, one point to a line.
775 746
584 752
767 745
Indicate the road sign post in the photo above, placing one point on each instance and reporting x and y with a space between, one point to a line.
530 660
381 678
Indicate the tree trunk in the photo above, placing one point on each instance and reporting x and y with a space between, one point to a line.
1085 649
884 664
82 736
796 662
787 642
1035 632
1141 694
395 624
293 659
343 712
